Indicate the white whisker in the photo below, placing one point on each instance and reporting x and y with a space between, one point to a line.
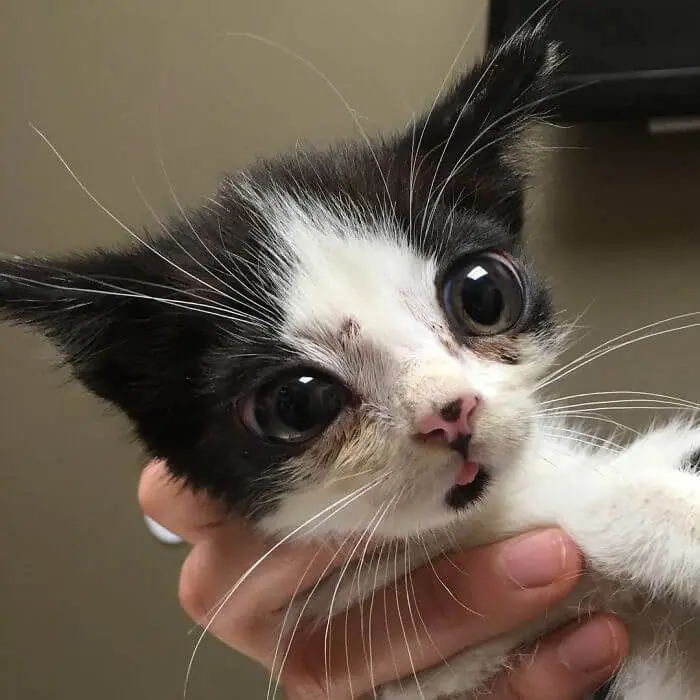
644 394
118 221
414 671
336 91
329 512
606 347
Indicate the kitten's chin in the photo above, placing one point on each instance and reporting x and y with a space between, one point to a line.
463 495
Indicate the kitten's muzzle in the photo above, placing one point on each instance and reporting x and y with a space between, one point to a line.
451 426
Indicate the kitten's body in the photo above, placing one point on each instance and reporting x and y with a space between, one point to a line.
341 268
634 515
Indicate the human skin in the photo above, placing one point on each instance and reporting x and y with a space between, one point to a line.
509 583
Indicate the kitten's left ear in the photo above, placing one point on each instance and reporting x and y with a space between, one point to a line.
471 148
128 333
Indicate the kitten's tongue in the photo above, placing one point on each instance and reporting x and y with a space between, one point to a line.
467 473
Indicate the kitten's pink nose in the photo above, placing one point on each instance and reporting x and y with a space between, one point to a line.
451 421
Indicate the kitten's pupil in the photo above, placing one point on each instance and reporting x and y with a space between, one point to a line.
300 404
483 295
481 298
294 408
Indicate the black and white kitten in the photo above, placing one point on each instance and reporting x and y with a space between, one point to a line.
353 342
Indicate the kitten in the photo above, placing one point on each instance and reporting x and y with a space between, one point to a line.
353 341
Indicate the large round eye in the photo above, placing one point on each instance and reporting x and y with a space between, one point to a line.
484 295
293 406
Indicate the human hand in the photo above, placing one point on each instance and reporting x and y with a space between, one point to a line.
511 583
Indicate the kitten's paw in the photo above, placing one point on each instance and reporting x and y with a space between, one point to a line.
675 446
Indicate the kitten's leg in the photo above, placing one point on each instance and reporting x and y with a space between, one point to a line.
635 515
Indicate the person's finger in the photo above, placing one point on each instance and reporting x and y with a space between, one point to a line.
239 586
178 509
572 662
442 608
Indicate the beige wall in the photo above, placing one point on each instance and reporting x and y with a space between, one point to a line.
87 599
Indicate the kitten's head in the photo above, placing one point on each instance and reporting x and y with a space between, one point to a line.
358 327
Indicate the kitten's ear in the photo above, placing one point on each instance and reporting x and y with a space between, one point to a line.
119 320
471 147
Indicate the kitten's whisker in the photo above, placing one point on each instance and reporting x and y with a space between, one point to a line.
409 577
415 148
397 499
327 633
619 408
687 405
361 604
189 306
604 419
406 572
336 91
326 514
109 282
583 433
447 588
276 675
644 394
248 302
386 619
369 617
114 218
598 445
614 344
344 477
215 608
453 130
414 672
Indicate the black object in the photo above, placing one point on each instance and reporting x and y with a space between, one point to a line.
626 59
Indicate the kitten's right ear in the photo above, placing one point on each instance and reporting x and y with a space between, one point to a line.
469 148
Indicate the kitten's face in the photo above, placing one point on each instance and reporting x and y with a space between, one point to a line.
355 334
385 334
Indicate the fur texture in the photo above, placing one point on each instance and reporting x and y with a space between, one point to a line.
336 265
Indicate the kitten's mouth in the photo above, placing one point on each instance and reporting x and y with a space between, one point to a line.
469 485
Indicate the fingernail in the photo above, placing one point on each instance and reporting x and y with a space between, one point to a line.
590 648
535 560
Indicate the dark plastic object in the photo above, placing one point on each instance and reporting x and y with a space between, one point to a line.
626 59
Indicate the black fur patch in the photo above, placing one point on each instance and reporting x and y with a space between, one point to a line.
459 497
693 461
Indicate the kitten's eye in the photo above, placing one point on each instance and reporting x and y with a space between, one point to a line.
484 295
294 407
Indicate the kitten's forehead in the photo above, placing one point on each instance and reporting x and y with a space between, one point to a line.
360 271
354 274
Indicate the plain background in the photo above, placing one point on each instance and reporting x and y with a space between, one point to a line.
87 597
